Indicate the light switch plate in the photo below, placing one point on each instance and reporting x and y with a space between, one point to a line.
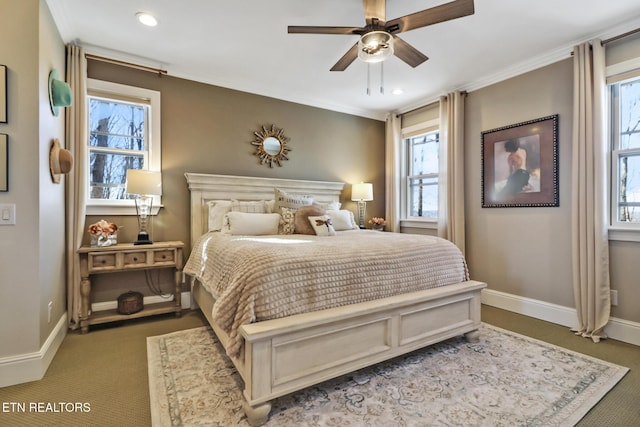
7 214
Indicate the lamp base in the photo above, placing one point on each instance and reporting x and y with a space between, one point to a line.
143 239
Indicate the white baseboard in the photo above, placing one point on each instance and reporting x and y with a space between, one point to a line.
185 301
617 329
28 367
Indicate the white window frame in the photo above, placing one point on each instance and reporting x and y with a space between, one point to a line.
407 132
120 92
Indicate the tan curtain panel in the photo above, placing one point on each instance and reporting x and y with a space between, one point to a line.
393 178
76 182
451 163
590 243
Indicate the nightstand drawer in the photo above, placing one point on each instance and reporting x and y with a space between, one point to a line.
135 258
164 256
102 261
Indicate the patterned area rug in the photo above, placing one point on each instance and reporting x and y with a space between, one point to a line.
506 379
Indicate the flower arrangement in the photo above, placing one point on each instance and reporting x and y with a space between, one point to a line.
377 221
103 233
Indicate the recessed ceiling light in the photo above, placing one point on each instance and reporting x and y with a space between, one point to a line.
397 91
147 19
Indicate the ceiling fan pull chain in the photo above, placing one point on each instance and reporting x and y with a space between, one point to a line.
368 79
382 78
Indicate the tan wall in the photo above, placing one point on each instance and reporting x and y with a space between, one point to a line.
208 129
527 251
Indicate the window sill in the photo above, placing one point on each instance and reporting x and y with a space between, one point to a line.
419 223
117 210
624 235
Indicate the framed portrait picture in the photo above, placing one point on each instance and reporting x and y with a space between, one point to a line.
520 165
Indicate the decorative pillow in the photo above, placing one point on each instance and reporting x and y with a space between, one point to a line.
287 225
217 210
249 207
330 206
343 220
301 223
322 225
251 224
291 201
270 205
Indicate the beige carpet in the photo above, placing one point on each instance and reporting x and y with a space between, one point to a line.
506 379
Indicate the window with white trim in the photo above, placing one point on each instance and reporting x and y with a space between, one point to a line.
422 175
625 151
123 133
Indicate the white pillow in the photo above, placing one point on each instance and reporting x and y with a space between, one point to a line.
291 201
322 225
343 220
328 206
217 211
249 206
251 224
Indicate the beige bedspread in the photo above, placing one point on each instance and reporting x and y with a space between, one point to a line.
257 278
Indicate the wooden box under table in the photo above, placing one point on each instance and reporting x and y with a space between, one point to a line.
126 257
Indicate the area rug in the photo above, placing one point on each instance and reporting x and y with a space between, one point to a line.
506 379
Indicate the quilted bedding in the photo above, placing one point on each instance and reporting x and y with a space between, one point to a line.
256 278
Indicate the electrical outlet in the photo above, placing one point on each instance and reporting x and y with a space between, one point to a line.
614 297
49 308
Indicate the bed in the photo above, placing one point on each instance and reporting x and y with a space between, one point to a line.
302 346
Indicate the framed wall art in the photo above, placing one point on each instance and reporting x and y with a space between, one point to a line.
3 94
520 165
4 162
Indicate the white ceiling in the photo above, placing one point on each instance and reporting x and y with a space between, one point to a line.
244 45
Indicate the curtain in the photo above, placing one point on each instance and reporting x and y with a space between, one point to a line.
451 167
76 182
393 177
590 244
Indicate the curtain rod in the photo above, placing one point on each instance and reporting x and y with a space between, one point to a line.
159 71
463 92
621 36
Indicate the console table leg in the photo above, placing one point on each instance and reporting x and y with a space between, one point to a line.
85 292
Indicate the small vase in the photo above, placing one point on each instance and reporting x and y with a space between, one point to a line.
99 241
378 227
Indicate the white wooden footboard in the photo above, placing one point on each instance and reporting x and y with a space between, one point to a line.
285 355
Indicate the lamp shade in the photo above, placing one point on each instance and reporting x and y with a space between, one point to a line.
144 182
362 192
375 46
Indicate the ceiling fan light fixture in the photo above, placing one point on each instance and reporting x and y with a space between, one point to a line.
375 46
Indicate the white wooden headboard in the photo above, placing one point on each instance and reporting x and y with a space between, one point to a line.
206 187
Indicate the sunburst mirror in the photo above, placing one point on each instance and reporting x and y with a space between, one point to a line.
271 145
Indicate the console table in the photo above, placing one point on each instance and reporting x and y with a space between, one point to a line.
127 257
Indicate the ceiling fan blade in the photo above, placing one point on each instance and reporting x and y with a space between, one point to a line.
434 15
407 53
375 9
346 59
293 29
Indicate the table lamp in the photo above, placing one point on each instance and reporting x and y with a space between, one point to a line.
362 193
144 184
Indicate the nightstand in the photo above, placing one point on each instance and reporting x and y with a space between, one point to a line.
127 257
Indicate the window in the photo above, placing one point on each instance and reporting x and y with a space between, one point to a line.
422 176
625 152
123 133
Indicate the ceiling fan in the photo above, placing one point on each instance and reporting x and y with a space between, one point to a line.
378 39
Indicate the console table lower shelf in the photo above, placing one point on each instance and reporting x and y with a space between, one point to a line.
128 257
